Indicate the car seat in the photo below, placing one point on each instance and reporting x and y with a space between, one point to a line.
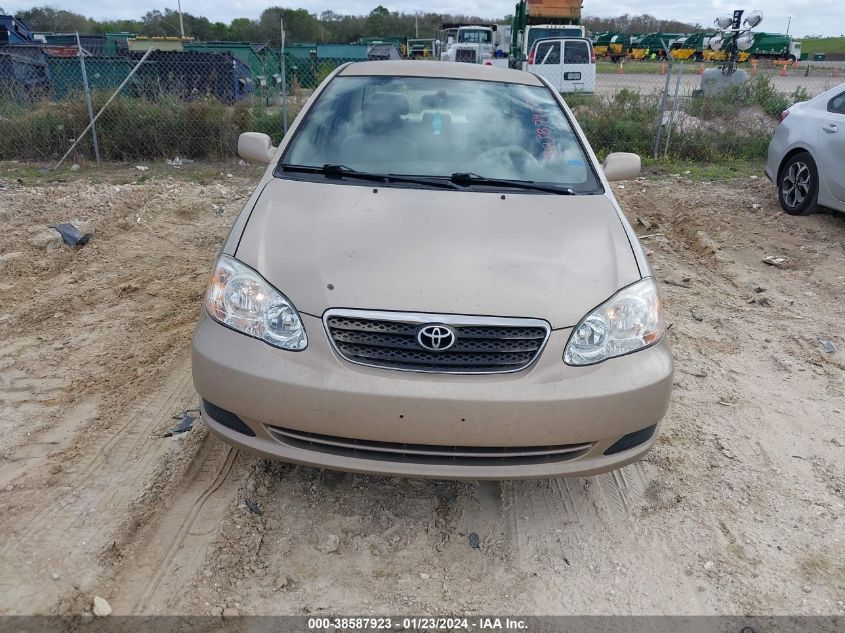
381 136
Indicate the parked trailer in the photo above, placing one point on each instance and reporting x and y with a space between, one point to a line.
105 73
106 44
22 78
195 76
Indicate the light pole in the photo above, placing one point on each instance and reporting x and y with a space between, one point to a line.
739 32
788 23
181 25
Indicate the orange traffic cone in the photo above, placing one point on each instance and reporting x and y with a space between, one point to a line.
662 68
783 70
754 66
621 70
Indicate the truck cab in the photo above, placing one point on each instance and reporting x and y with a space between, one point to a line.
469 44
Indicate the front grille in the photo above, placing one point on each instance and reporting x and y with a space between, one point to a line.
482 345
426 453
465 55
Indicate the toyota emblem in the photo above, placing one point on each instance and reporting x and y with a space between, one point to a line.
436 338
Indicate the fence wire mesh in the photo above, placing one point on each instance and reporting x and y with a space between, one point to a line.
194 103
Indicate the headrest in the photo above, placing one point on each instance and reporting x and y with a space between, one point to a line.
384 110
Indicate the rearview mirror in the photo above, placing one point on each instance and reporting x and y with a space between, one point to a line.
256 147
621 166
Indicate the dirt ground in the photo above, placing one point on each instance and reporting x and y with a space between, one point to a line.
737 510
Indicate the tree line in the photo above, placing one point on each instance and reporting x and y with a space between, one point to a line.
303 26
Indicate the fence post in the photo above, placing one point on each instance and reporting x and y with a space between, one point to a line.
284 92
88 98
663 98
103 109
674 110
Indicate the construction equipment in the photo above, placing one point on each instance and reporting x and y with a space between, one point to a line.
775 46
765 46
652 45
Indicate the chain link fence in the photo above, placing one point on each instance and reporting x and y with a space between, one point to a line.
194 103
688 110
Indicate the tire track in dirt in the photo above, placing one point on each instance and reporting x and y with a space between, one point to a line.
65 528
126 448
175 547
566 530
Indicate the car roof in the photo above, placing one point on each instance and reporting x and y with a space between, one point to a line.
828 94
444 70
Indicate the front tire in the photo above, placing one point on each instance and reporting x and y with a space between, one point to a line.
798 185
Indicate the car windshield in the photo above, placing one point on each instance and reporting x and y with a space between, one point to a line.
435 127
475 37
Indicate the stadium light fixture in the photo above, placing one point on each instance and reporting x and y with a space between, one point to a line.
745 41
716 42
753 19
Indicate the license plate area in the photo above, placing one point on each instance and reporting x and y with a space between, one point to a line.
572 76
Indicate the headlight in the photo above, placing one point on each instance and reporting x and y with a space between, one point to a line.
630 320
241 299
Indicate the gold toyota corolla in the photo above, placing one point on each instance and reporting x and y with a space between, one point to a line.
433 279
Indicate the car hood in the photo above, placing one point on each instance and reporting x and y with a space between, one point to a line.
328 245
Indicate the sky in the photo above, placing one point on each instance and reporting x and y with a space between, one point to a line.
809 17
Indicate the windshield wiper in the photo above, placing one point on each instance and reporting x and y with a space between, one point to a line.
463 178
342 171
332 171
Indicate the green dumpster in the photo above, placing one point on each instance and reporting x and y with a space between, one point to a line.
819 57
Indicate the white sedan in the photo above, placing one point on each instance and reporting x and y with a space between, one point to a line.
807 154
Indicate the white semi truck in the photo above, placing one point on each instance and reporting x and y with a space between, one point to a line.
472 43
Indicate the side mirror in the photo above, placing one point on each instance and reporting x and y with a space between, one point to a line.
256 147
621 166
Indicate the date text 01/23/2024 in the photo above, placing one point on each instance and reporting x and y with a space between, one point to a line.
412 624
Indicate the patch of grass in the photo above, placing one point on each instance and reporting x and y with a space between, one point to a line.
726 169
711 129
829 45
625 121
760 91
131 128
638 67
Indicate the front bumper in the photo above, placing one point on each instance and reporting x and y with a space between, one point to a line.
316 392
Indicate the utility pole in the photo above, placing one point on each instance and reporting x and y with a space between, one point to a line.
181 24
788 23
